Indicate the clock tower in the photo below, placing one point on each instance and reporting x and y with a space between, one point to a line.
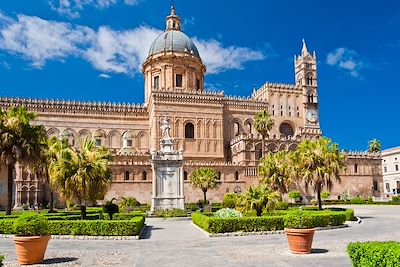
306 77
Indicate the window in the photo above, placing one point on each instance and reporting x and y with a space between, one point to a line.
387 186
189 130
309 80
178 80
396 167
144 176
197 84
185 175
375 185
310 98
236 176
355 168
385 169
98 142
286 130
219 175
157 82
236 129
126 178
258 154
397 184
129 143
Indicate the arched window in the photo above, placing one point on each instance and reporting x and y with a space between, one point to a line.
189 130
219 175
185 175
286 130
144 176
309 80
126 178
236 129
236 176
249 127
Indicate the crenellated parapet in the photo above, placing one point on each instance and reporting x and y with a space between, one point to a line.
258 137
277 88
176 95
245 103
211 164
362 155
46 106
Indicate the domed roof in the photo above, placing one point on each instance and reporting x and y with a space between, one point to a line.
175 41
128 135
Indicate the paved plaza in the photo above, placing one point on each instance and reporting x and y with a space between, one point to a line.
177 242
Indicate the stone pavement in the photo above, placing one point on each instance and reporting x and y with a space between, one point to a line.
176 242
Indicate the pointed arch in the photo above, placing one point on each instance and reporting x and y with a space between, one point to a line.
143 140
114 139
53 132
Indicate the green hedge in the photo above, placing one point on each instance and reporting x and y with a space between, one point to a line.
92 228
374 254
125 216
264 223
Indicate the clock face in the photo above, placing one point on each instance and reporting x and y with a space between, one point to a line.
312 115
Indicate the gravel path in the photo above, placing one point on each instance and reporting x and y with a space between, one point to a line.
178 243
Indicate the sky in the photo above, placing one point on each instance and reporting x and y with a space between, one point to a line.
93 50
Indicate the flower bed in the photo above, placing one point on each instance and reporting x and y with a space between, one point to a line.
264 223
374 253
130 227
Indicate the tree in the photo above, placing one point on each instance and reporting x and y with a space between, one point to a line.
319 163
82 175
19 142
374 146
263 123
204 178
258 197
274 169
51 148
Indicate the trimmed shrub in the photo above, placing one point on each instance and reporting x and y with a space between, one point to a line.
1 260
170 213
264 223
230 200
6 226
31 224
325 195
282 205
125 216
377 254
298 219
357 200
191 206
294 194
227 213
395 199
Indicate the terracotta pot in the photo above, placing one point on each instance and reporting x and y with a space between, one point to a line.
30 249
300 240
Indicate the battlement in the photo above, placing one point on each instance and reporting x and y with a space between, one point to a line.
279 87
246 137
362 155
43 106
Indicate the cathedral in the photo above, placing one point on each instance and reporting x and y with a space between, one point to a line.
211 129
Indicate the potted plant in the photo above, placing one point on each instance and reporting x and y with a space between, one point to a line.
299 231
31 238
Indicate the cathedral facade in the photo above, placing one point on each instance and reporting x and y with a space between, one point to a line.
211 128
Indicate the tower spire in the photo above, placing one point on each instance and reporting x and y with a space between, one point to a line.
304 50
173 21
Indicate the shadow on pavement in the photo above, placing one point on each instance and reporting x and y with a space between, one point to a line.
146 234
319 251
58 260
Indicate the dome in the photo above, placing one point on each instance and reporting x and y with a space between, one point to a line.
175 41
65 134
98 134
128 135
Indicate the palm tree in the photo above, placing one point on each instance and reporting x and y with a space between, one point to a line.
83 175
204 178
19 142
374 146
51 148
274 169
257 198
263 123
319 162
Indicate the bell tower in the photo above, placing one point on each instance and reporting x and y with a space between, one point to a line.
305 66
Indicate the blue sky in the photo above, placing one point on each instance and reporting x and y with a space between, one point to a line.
93 49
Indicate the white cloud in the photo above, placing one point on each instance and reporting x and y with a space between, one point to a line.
104 76
345 59
109 51
218 58
72 8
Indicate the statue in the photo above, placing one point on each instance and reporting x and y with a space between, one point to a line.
165 129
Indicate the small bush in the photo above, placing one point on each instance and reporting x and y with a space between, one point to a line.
282 205
294 194
110 208
125 216
230 200
325 195
191 206
128 203
298 219
170 213
377 254
395 199
31 224
1 260
227 213
357 200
